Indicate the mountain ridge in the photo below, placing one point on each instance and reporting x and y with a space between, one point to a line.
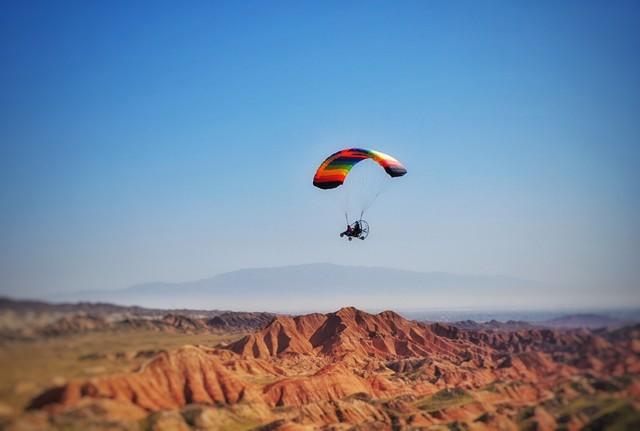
366 287
373 371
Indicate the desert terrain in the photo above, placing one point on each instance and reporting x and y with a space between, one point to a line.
103 367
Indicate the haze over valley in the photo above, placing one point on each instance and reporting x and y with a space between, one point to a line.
323 287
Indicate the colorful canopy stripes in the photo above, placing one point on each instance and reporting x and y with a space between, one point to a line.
334 170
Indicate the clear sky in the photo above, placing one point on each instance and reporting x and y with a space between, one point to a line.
144 141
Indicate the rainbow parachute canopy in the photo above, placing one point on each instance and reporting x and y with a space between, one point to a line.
334 170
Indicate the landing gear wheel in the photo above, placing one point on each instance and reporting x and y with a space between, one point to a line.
361 232
364 230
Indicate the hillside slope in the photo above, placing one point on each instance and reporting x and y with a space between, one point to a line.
374 371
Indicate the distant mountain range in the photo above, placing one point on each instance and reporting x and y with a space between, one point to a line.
28 320
41 317
321 287
585 320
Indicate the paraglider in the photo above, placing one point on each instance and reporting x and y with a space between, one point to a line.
334 172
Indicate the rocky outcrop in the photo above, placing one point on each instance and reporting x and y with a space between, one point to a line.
169 381
372 371
350 332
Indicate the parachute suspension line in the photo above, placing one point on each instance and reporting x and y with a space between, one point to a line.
368 204
382 186
360 187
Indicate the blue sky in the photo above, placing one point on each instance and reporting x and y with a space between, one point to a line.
159 141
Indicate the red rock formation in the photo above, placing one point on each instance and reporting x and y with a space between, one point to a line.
350 332
374 371
169 381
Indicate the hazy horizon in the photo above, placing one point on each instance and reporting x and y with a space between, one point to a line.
326 287
150 142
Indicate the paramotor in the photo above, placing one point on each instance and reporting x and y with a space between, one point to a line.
361 191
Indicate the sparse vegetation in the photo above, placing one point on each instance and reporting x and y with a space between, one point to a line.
604 412
444 399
